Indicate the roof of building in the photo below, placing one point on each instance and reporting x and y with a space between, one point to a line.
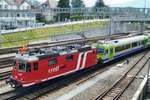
16 2
51 3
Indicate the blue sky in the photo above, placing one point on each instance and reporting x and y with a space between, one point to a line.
119 3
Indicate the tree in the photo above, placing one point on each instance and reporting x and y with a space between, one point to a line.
100 3
40 18
77 3
63 4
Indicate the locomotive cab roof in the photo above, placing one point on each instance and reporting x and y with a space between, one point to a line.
37 54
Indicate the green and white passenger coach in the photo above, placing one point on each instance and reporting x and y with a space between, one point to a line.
113 49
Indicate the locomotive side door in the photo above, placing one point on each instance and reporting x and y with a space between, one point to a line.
70 62
35 71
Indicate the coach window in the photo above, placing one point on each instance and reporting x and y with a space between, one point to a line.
28 67
106 51
127 46
69 58
52 62
35 65
143 42
134 44
111 50
100 50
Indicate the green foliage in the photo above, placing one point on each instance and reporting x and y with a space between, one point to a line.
100 3
76 17
63 4
20 38
40 18
77 3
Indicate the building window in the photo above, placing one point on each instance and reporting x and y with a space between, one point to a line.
7 15
23 15
0 6
12 15
23 7
18 15
28 7
18 7
6 6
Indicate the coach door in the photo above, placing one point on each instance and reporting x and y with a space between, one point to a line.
111 52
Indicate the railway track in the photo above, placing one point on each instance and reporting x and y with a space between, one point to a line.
38 91
4 75
58 43
117 89
5 65
5 61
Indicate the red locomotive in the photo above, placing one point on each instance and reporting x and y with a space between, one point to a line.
46 64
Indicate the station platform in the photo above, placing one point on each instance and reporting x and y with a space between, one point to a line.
147 96
143 92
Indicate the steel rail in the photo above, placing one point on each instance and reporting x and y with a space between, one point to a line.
119 82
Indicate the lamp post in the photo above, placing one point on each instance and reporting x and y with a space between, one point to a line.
145 8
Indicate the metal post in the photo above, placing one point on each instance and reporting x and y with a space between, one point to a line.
148 74
110 23
0 34
145 9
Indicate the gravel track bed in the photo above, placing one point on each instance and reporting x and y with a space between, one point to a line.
131 90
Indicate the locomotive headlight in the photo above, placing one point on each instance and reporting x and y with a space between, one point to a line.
21 79
16 76
20 74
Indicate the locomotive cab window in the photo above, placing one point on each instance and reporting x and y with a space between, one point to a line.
52 62
35 65
28 67
23 67
14 64
69 58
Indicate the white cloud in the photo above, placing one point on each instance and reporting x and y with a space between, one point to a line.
116 2
89 3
